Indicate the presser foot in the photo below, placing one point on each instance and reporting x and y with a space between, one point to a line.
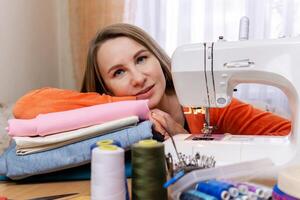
207 132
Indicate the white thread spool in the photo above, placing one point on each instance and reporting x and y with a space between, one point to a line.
108 173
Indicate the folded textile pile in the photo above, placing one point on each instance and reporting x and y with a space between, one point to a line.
28 145
76 154
61 140
61 128
51 123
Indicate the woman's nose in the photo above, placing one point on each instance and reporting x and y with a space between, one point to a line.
138 78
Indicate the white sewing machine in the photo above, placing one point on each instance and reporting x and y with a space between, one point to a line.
205 75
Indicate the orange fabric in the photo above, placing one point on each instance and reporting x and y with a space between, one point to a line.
240 118
47 100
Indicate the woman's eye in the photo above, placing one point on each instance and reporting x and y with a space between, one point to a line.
118 72
141 59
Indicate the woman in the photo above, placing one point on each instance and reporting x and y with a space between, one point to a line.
124 61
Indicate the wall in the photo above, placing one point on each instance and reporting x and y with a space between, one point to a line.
86 19
66 70
34 47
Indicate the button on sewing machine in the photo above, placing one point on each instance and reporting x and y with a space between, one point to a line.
224 75
222 84
221 100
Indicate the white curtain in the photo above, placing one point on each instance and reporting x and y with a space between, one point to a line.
176 22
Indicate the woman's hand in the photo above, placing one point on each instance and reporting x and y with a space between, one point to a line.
165 124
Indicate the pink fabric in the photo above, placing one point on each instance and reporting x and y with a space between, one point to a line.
47 124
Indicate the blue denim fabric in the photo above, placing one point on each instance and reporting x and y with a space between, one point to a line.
18 167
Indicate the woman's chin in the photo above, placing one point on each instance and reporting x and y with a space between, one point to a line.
151 104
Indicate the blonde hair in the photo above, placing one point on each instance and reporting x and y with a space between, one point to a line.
92 80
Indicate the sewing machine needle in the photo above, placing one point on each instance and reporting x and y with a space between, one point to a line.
176 151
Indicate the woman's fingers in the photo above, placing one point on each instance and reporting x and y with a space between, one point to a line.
161 117
167 122
159 128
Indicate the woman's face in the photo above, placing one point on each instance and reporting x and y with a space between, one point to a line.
129 69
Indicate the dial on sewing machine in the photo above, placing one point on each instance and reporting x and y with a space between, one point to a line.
206 74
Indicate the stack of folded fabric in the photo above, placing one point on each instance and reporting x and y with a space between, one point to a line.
61 140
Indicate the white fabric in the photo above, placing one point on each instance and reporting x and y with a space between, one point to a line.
175 22
27 145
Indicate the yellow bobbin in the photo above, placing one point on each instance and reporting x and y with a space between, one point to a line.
105 142
108 147
147 143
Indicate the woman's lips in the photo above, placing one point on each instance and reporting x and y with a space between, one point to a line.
145 94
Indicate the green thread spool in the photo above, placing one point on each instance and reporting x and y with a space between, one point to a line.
148 171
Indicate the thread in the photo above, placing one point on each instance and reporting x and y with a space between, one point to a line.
233 191
267 192
108 173
242 189
111 142
195 195
148 170
280 195
215 190
242 197
251 188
